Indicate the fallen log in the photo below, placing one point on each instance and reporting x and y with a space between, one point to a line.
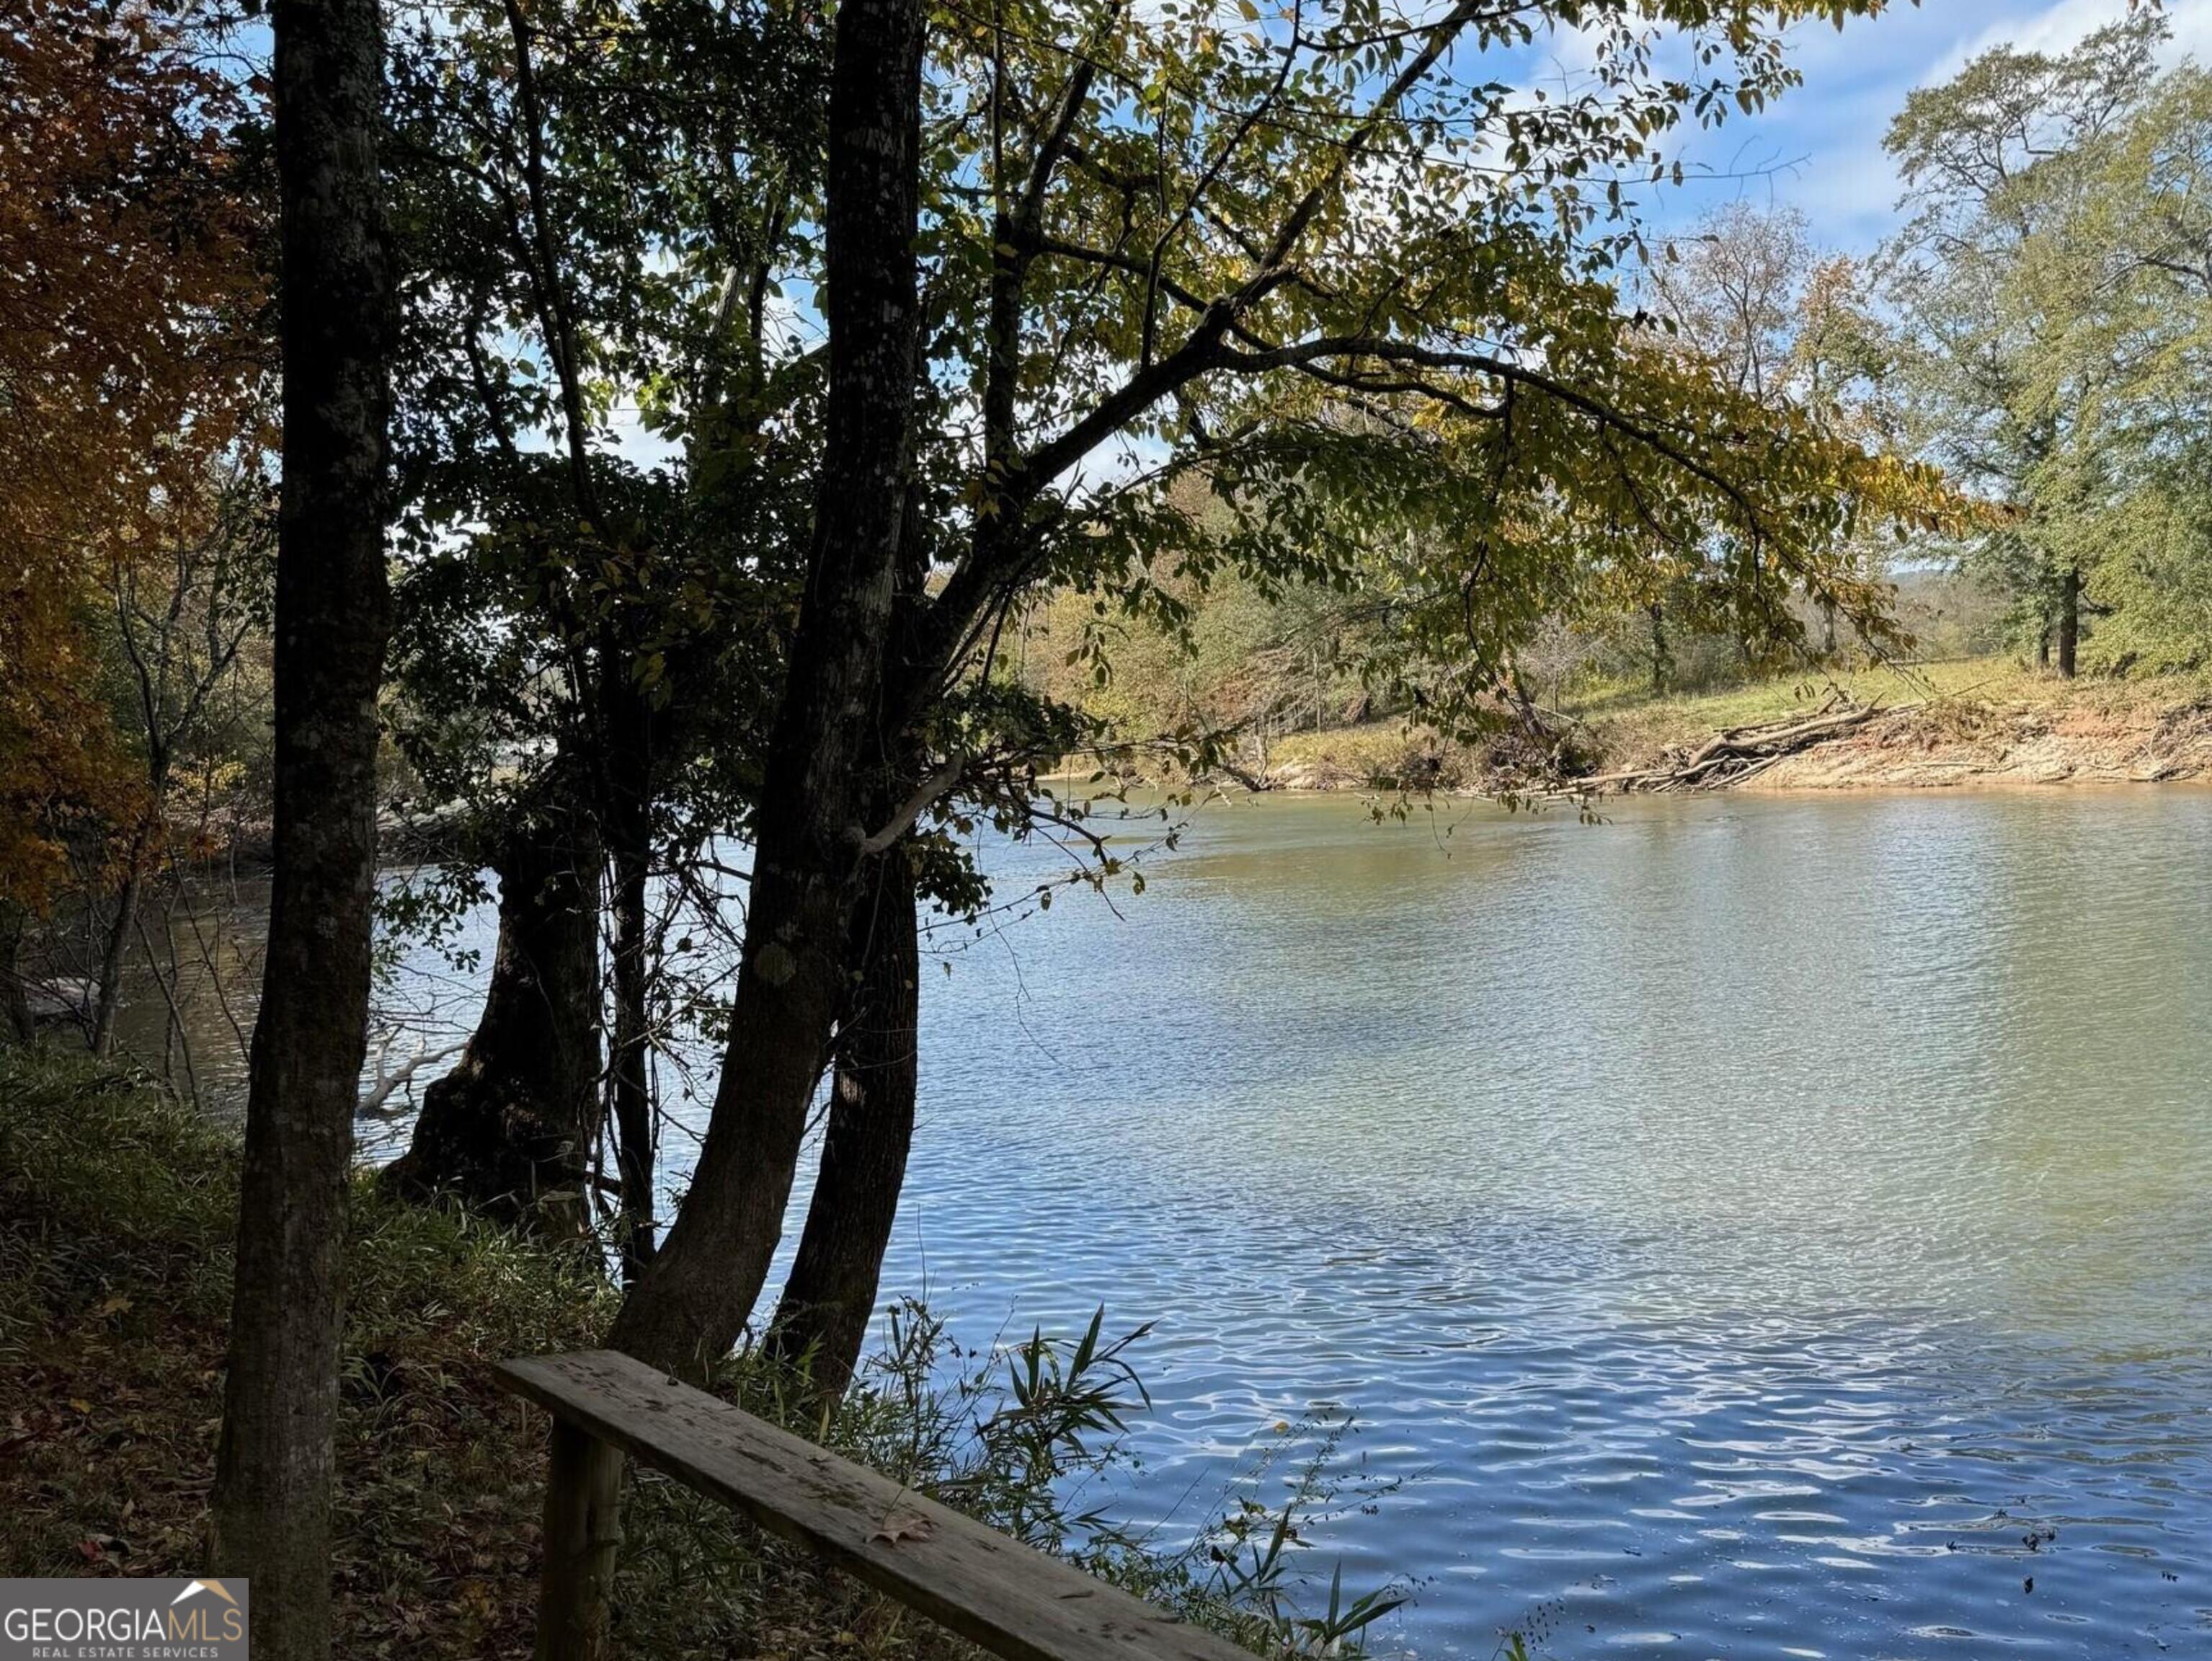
1737 753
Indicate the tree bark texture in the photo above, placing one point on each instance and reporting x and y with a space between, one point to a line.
830 1294
828 750
273 1491
515 1123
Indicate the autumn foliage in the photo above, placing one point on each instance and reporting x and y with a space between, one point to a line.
129 360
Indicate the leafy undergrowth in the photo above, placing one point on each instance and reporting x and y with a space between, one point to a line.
116 1213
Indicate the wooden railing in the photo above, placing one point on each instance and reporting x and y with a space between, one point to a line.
1015 1601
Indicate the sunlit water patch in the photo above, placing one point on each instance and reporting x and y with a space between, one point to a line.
1751 1227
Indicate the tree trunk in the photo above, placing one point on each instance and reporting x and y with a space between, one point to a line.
1659 653
108 994
515 1123
15 1024
626 735
272 1489
2070 619
107 997
634 1140
822 1316
828 752
1827 627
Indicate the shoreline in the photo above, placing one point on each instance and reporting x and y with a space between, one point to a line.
1992 727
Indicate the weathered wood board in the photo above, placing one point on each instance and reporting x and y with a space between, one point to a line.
1013 1601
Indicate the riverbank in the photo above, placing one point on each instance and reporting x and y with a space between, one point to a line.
117 1209
1987 722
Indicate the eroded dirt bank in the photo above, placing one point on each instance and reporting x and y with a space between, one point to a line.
2011 728
1962 742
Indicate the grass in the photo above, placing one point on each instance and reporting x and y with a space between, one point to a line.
116 1213
1773 697
1631 724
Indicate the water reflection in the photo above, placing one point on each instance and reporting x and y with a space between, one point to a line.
1752 1227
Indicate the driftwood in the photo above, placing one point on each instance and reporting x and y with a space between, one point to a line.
1739 753
374 1101
1241 774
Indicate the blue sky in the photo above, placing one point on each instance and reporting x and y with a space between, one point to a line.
1821 150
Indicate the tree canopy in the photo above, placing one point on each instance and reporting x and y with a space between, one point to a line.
2052 305
130 362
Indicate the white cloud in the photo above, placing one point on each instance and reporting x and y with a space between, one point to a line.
2055 27
1856 80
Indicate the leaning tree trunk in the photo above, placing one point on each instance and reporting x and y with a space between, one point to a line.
829 747
273 1470
822 1319
512 1128
2070 619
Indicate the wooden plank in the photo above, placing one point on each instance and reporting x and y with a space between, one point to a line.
583 1529
1015 1601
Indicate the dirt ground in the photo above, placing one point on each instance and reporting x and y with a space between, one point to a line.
2100 740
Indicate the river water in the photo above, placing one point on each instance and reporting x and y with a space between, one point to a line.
1751 1226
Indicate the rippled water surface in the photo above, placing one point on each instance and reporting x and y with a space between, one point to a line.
1750 1227
1741 1225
